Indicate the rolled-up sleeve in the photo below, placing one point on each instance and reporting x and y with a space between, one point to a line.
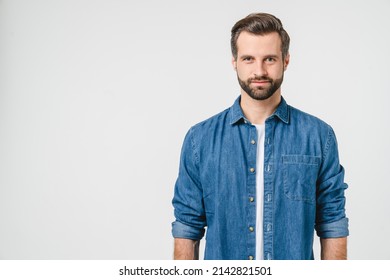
331 220
188 196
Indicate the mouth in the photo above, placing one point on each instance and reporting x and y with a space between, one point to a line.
260 82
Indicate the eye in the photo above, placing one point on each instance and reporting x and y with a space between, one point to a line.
247 59
270 60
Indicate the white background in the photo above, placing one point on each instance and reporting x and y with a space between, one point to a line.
96 97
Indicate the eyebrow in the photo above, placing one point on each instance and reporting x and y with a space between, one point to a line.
245 56
265 56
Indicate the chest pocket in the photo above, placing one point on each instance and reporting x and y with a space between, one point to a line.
299 177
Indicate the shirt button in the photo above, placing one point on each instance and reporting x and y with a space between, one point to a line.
268 168
269 197
251 229
250 258
253 142
252 170
251 199
269 227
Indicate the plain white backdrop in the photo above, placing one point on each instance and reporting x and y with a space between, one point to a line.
96 97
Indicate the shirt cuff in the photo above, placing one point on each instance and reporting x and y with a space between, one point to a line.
334 229
180 230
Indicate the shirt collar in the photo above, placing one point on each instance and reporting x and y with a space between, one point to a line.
282 112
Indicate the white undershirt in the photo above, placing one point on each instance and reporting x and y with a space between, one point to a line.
259 190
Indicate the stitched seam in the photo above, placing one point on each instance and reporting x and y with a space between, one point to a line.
193 146
327 145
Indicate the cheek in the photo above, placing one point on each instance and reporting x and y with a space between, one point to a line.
278 71
243 72
242 75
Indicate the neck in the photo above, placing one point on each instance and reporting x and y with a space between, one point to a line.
257 111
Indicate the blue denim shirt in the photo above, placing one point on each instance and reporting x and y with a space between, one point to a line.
303 185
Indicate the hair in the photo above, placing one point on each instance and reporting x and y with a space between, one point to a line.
260 24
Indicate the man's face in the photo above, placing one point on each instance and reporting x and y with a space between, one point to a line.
259 64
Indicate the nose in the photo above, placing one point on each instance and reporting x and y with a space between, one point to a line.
260 69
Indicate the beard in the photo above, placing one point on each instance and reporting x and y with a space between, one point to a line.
260 92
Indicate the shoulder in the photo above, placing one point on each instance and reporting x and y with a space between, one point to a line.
313 128
306 120
211 124
199 135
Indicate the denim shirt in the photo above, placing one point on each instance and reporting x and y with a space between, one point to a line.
303 185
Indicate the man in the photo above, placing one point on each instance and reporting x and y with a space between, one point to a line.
261 175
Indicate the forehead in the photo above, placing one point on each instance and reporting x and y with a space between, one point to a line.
249 43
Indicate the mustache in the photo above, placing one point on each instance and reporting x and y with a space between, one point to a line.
260 78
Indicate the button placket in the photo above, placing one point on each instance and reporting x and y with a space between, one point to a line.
251 148
268 190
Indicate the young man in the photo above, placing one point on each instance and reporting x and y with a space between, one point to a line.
261 175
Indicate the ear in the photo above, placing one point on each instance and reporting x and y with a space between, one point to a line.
234 63
286 61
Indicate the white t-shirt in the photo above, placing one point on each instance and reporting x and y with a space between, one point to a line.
259 190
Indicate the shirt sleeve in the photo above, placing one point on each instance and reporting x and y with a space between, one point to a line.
331 221
188 196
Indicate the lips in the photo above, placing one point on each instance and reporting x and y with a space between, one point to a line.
260 82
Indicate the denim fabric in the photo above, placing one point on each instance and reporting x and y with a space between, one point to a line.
303 185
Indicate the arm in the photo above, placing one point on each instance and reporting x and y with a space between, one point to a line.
331 221
334 248
186 249
188 228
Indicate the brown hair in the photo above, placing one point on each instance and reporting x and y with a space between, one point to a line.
260 24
